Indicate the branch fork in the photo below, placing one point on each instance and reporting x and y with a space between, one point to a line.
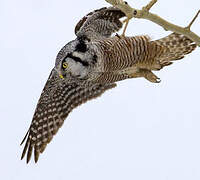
145 14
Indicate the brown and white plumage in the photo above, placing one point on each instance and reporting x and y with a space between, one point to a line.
59 96
91 64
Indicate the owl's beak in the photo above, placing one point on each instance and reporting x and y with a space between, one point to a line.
61 76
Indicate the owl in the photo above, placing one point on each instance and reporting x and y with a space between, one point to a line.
91 64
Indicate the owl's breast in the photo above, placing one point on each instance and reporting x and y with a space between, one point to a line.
118 53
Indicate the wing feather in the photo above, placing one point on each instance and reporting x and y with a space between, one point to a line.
57 100
100 23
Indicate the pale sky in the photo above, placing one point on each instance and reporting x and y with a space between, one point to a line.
139 130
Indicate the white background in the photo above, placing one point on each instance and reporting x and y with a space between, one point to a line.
138 130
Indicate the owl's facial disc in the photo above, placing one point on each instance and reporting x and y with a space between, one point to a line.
73 65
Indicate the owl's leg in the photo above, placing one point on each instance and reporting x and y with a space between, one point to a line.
147 74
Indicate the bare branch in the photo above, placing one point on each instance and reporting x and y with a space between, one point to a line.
145 14
114 2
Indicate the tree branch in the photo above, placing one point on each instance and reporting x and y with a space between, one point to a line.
145 14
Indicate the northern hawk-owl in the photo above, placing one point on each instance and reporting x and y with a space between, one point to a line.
91 64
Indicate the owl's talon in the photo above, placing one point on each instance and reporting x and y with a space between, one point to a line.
158 80
152 77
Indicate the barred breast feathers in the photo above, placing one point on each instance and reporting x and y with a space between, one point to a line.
120 53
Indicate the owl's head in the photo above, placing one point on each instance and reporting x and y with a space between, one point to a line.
73 64
74 59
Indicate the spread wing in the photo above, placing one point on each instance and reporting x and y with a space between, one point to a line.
57 100
100 23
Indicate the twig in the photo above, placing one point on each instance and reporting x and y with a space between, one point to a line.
145 14
150 5
189 26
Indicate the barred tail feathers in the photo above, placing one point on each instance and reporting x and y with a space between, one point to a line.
177 46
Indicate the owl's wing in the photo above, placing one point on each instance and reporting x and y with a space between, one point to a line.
57 100
100 23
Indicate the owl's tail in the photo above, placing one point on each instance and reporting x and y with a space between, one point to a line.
177 46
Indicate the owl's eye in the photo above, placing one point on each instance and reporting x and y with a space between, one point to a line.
65 65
